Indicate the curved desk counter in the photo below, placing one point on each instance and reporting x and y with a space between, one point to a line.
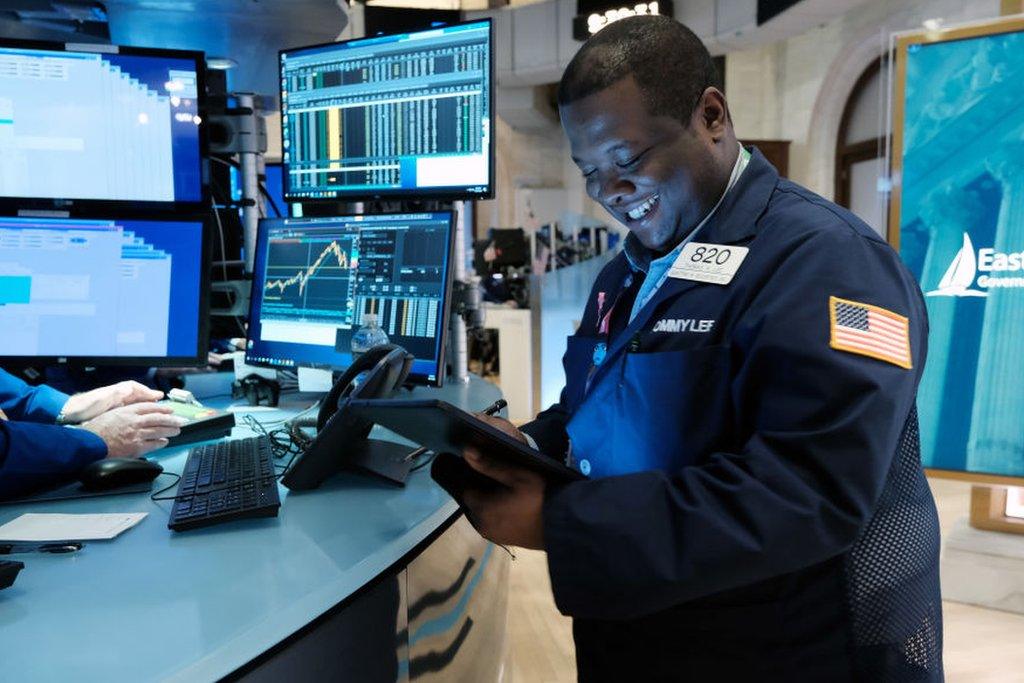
356 579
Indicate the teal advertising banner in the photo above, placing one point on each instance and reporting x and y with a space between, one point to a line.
958 206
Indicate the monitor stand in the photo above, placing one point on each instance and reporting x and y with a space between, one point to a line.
384 459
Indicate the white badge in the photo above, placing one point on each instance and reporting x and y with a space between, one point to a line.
714 263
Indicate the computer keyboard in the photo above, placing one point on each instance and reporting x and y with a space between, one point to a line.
225 481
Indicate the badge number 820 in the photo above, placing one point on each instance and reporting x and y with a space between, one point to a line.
714 263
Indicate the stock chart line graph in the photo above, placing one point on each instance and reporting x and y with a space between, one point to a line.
303 277
310 277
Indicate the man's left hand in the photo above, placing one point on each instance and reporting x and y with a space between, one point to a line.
84 407
512 515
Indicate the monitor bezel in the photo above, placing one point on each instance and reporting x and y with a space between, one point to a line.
100 208
441 364
199 359
439 194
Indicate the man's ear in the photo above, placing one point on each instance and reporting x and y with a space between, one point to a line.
712 113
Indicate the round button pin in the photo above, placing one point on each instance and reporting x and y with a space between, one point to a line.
585 467
600 350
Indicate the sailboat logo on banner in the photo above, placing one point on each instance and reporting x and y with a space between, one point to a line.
960 275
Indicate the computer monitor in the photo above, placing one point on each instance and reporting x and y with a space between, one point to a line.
132 292
315 278
407 115
100 127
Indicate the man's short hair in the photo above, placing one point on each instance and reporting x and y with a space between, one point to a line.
667 60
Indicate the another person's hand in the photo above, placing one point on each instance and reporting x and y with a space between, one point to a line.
83 407
134 430
512 514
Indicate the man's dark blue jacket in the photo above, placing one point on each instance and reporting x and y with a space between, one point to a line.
756 508
34 451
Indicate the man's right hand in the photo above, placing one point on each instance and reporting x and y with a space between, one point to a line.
134 430
504 425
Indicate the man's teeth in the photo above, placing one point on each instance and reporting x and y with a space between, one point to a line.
642 210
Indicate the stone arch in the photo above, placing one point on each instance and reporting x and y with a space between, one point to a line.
830 103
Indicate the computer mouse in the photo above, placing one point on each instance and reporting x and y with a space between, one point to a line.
111 473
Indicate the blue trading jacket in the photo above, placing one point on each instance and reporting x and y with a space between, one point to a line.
34 451
756 507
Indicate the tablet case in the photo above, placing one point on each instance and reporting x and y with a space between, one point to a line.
443 428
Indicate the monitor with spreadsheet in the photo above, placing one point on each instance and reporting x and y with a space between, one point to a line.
315 278
132 292
404 115
103 126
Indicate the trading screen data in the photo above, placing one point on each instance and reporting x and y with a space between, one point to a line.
99 126
316 278
100 288
403 114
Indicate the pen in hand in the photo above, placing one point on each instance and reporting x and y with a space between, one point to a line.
495 407
489 410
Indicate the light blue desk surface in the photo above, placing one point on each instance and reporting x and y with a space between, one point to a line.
193 606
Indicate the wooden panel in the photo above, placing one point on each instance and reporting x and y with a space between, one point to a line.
775 151
988 510
1011 7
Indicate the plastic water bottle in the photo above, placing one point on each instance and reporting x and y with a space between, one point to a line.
367 336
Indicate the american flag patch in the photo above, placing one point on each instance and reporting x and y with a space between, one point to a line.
869 331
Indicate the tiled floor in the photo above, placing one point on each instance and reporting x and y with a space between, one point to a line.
981 645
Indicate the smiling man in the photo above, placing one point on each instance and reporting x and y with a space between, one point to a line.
740 393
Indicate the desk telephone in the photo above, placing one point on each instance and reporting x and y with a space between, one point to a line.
341 438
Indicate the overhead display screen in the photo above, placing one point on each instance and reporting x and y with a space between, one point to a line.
120 126
957 216
399 115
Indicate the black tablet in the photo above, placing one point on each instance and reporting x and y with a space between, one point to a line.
443 428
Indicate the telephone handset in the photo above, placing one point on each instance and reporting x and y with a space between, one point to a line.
374 374
341 438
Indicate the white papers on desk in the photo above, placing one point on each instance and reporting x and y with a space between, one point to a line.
315 379
49 527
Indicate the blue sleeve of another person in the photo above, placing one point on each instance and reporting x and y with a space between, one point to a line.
19 401
35 455
34 452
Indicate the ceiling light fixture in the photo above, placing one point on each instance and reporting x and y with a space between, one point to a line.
220 63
